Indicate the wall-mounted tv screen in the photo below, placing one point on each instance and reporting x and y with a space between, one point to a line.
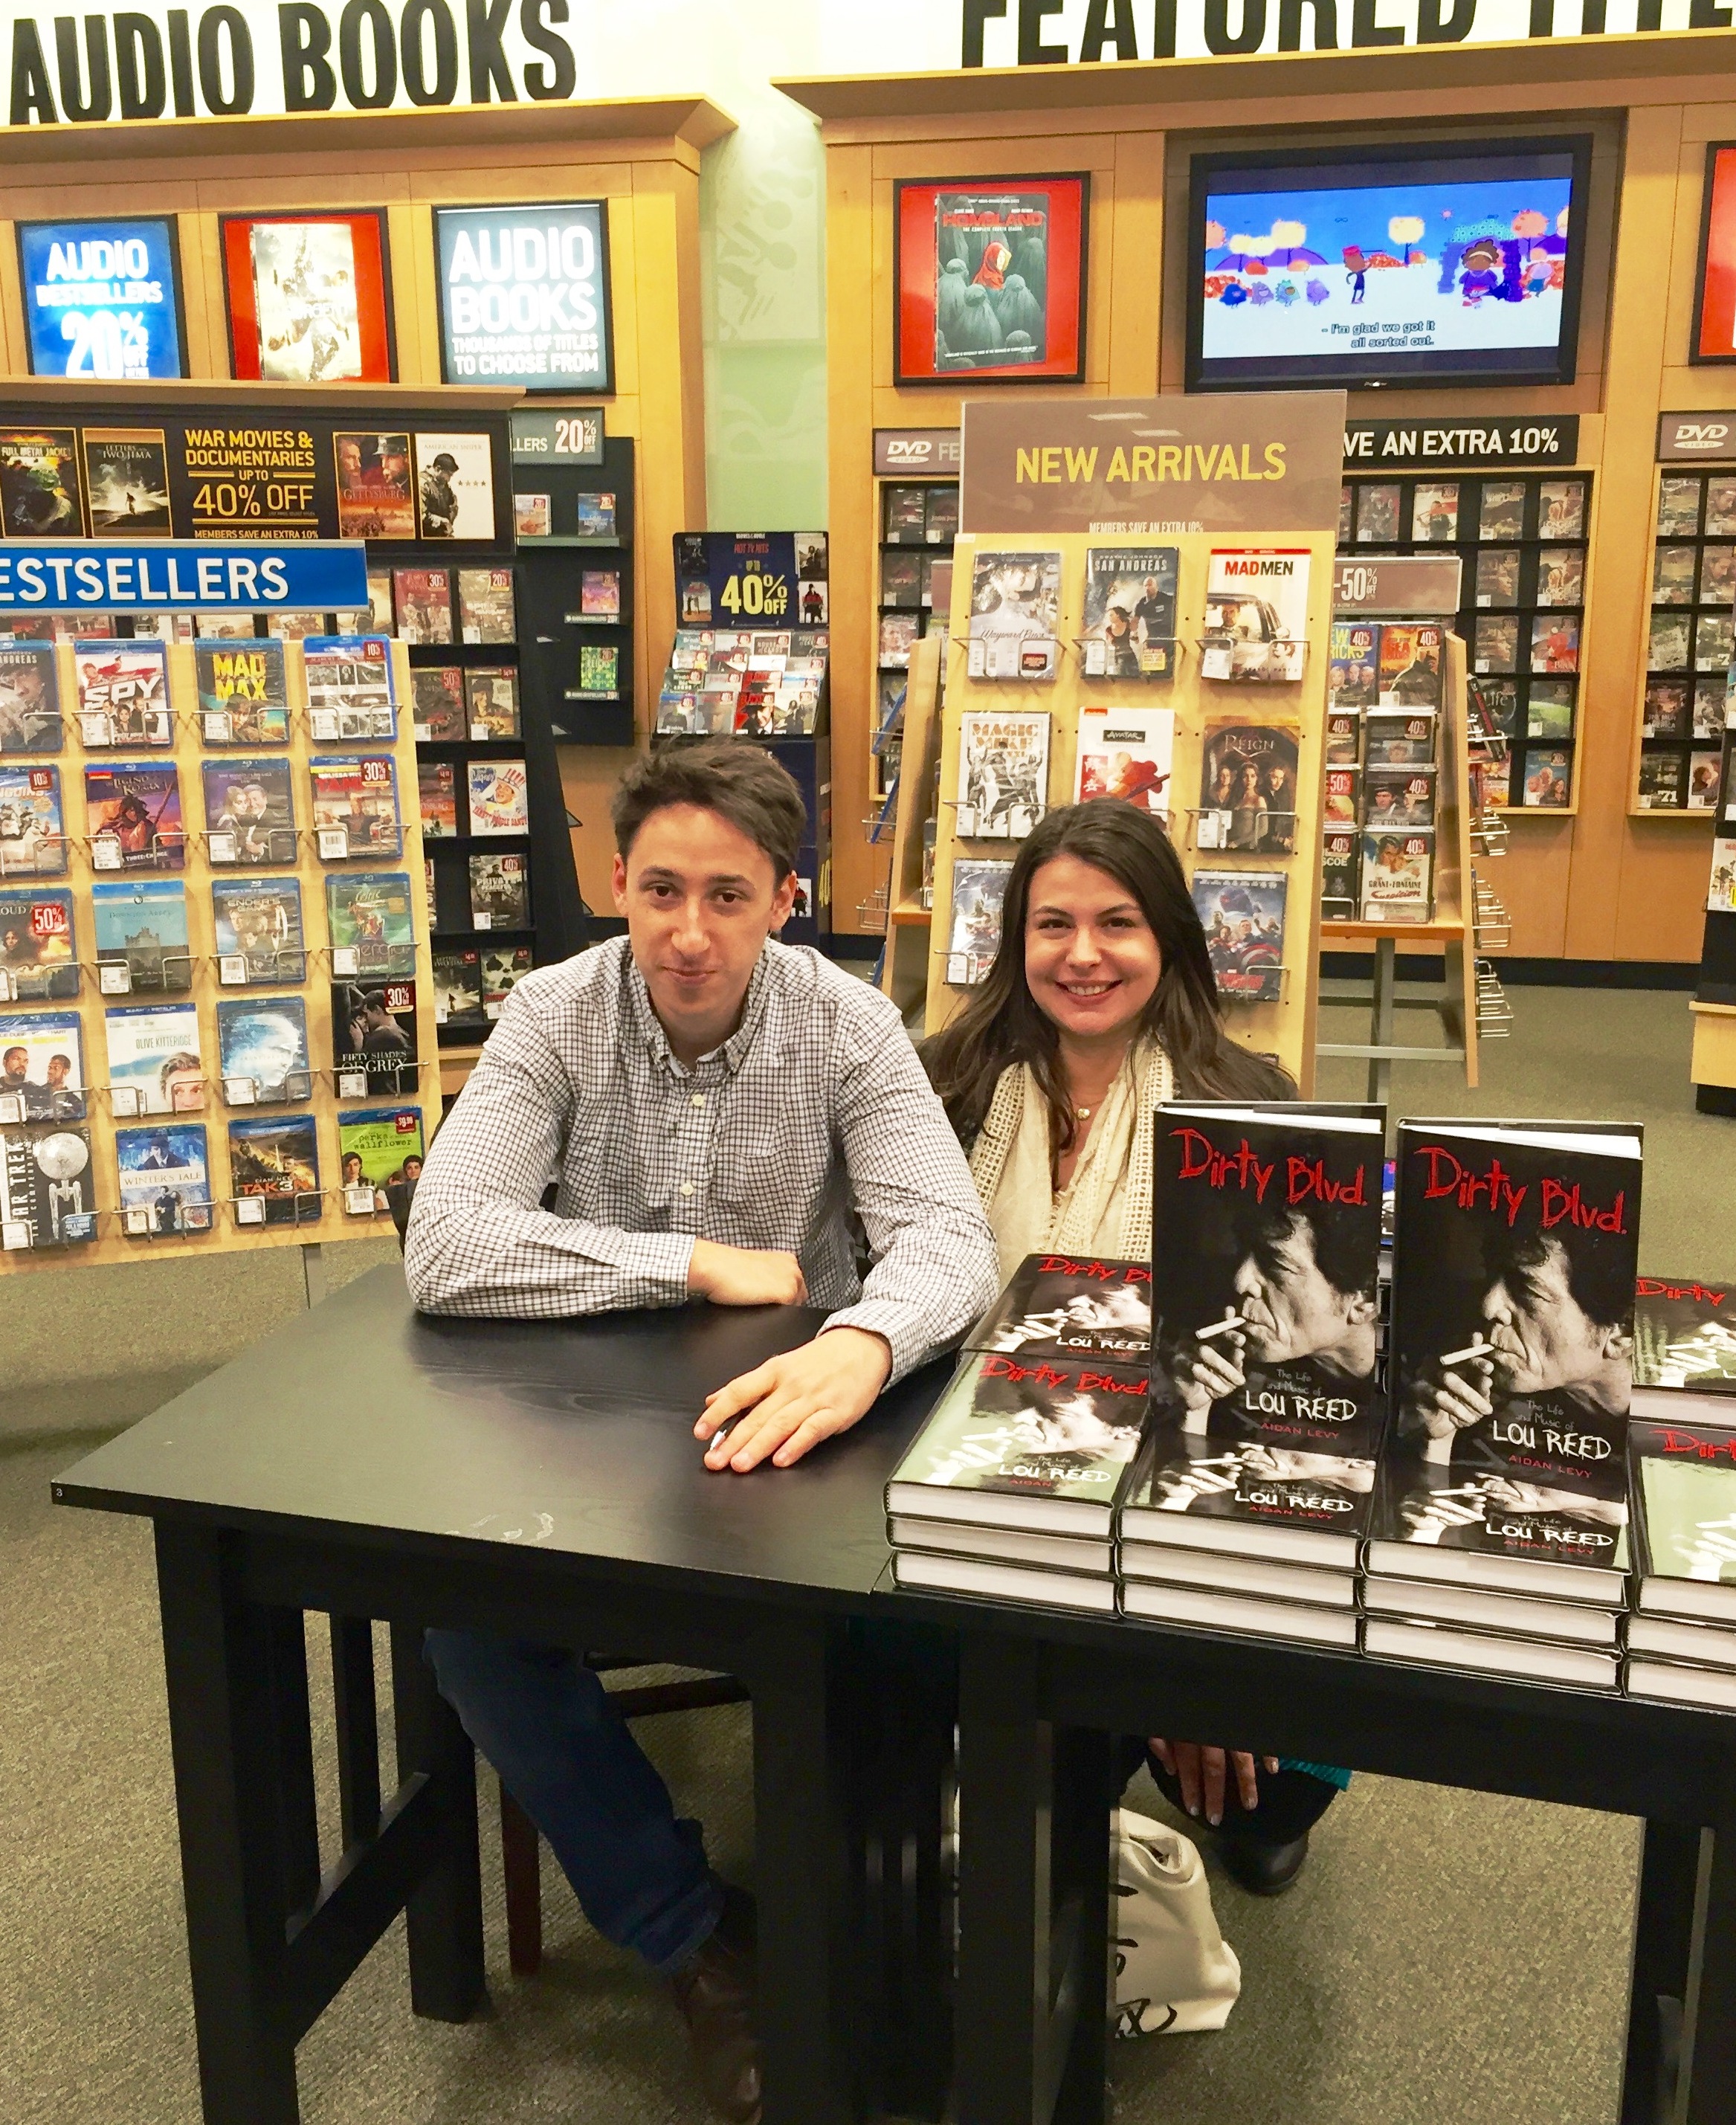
1458 264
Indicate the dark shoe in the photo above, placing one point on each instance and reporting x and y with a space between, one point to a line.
1263 1870
715 1994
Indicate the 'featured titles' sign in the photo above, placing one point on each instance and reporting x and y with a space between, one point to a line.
525 296
102 298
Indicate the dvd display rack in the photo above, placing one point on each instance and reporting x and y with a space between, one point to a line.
1524 540
919 521
1276 968
573 512
216 1023
1691 643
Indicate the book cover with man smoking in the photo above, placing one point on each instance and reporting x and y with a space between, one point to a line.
1512 1341
1059 1305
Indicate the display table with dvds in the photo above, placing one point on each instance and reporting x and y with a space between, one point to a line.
539 1479
1043 1696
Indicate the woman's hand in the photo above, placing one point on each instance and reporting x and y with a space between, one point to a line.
1199 1771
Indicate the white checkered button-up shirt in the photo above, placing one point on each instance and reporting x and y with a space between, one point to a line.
814 1114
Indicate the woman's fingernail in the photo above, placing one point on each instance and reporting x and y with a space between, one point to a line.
1214 1820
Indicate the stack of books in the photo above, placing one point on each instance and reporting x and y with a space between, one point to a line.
1247 1509
1499 1538
1681 1637
1010 1489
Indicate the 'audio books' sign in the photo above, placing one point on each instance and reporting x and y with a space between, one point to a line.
524 295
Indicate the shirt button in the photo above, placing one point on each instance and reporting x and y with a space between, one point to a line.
698 1099
687 1188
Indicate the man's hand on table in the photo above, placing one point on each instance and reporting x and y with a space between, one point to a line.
744 1276
790 1403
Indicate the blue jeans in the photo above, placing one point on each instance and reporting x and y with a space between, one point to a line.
546 1723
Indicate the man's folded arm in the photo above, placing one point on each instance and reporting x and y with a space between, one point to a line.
479 1243
935 1269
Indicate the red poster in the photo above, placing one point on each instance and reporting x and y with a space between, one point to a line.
308 297
1715 309
991 279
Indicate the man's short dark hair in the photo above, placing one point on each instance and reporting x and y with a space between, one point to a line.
738 782
1600 1272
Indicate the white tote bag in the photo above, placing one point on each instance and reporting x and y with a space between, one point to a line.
1174 1971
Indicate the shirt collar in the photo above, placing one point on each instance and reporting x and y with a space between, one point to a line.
648 1027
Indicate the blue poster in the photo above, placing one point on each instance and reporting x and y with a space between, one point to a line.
102 299
524 295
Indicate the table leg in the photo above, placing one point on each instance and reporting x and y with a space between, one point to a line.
444 1914
1663 1930
809 1962
224 1724
1709 2030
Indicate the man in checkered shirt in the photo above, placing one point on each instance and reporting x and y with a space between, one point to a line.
722 1117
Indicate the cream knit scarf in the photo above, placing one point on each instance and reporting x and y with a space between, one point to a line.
1106 1208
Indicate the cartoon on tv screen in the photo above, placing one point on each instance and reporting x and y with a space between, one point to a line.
1429 269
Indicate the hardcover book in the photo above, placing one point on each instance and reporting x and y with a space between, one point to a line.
42 1067
1266 1281
250 812
262 1050
1043 1444
165 1178
499 797
373 1038
1130 612
1353 671
243 693
355 807
1125 753
436 782
350 691
949 1572
141 926
47 1196
155 1066
423 599
485 605
439 704
369 920
1683 1489
1015 608
1242 913
29 698
1256 614
1510 1361
458 987
500 892
257 923
1060 1306
1003 773
133 813
273 1169
979 887
494 703
1248 787
1685 1334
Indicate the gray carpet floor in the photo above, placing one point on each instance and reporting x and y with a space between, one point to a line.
1438 1940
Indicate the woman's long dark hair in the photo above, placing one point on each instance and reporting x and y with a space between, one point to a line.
1002 1024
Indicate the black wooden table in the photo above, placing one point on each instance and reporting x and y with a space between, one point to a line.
540 1480
1043 1696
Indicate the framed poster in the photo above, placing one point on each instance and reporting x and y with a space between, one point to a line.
524 295
308 297
990 275
1715 290
102 299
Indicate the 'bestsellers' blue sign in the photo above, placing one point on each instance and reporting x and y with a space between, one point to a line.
102 298
182 575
